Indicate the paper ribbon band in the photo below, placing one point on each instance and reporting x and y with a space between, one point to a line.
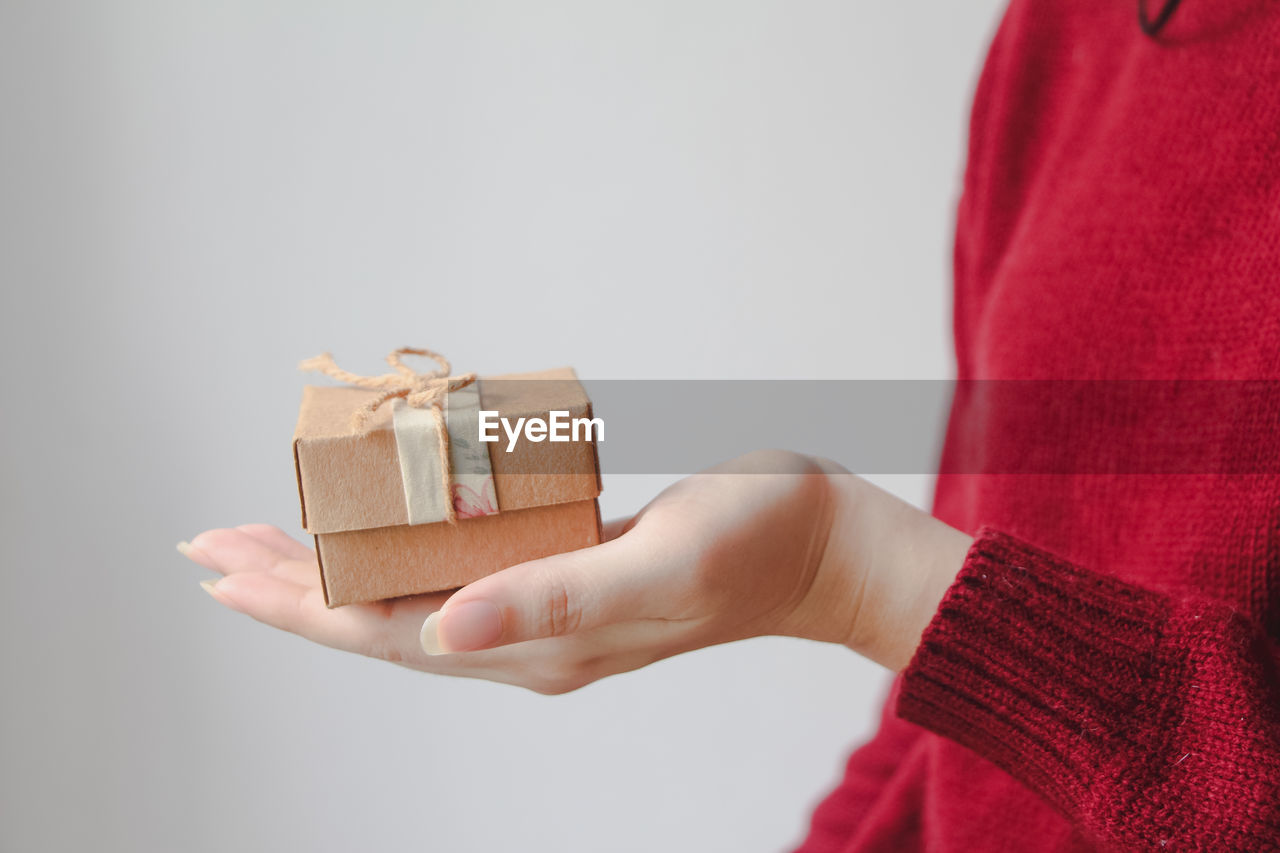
418 417
416 442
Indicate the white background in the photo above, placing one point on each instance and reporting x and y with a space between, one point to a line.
196 195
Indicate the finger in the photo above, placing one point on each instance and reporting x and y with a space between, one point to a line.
230 551
385 630
553 597
388 631
561 664
274 537
615 527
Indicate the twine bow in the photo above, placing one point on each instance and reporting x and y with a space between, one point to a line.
420 390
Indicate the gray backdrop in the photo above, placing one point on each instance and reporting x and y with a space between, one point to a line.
194 196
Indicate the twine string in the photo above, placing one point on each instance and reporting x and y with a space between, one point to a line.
419 390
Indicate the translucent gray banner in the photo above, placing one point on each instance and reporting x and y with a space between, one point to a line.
897 426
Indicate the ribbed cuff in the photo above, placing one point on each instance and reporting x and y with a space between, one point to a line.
1041 666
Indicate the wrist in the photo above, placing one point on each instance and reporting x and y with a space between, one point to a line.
902 560
827 608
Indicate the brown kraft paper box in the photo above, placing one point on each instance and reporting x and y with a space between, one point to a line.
353 499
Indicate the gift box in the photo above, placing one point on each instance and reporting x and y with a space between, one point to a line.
396 509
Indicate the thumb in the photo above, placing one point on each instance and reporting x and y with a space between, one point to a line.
550 597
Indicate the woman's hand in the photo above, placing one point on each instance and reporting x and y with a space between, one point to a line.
769 543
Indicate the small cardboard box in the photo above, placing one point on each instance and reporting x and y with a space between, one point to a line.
353 498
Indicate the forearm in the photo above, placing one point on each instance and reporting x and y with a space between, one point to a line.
885 568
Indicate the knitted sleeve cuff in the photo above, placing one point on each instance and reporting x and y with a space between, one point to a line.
1040 666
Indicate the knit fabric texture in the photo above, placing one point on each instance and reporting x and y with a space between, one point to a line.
1104 673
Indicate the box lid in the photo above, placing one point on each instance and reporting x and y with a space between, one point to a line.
352 481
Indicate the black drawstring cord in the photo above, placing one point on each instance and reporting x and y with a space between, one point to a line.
1153 28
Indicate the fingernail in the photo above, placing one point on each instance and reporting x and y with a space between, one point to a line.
473 625
220 596
430 636
184 548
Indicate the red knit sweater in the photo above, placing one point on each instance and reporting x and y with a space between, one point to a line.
1104 673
